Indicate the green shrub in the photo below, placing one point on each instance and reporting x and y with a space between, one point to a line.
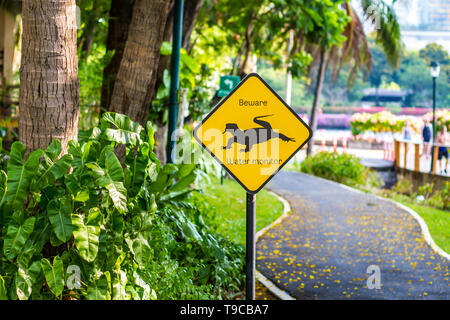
445 196
426 190
127 226
403 186
342 168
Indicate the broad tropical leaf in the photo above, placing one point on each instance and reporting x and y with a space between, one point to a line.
141 250
99 289
20 175
126 131
59 215
86 238
25 279
51 169
111 177
3 291
3 180
54 275
137 165
16 236
118 286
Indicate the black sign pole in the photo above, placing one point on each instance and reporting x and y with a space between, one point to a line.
250 247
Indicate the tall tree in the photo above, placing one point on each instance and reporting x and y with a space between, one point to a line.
190 13
49 86
355 49
119 21
135 84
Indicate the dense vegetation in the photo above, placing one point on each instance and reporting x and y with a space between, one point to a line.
127 224
342 168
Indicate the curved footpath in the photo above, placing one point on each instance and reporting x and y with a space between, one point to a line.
324 248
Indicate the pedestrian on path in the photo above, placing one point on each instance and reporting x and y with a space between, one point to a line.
443 152
426 136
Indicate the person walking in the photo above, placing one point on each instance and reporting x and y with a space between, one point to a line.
441 139
426 136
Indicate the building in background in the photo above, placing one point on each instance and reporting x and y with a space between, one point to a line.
423 22
434 15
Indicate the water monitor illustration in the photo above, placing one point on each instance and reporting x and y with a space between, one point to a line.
253 136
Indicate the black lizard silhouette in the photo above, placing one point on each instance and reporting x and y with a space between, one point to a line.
253 136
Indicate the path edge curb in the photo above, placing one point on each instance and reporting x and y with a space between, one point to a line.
279 293
423 225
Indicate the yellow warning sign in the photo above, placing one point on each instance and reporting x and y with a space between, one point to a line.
252 133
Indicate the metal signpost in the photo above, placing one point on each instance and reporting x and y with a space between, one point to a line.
252 133
174 78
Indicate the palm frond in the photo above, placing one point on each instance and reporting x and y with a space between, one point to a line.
355 50
388 31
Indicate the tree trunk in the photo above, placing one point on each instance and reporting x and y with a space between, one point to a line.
317 92
248 44
119 21
88 35
190 13
191 10
49 86
134 87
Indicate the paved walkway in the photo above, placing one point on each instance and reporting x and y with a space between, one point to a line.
324 248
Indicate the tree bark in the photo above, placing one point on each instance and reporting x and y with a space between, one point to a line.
134 87
317 92
49 85
191 10
88 35
119 21
190 13
248 44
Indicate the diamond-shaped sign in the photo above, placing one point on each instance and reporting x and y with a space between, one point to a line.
252 133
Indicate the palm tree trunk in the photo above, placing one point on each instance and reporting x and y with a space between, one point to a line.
119 21
49 86
317 92
134 87
248 44
88 35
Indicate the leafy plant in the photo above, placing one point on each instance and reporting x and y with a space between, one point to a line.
342 168
126 225
445 194
426 190
403 186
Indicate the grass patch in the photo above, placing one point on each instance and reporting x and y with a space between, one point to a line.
437 220
224 209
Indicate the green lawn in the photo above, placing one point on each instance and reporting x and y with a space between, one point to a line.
226 209
438 222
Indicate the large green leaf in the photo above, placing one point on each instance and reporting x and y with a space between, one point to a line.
16 236
20 175
126 131
99 289
83 154
3 180
141 251
111 177
137 163
25 279
3 290
59 215
119 286
86 238
51 169
54 275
